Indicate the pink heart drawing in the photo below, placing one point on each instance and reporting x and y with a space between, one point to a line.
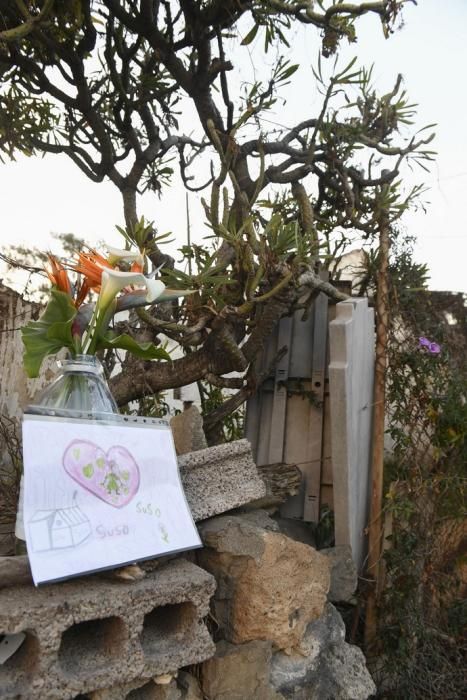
113 476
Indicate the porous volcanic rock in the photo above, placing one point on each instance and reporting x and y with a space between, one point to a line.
270 587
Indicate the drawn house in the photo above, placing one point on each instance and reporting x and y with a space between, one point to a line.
59 528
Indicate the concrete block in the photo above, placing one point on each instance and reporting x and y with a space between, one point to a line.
82 636
220 478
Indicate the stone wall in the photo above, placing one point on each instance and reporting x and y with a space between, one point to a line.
248 618
277 634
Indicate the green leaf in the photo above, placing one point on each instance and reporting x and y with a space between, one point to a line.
147 351
289 71
251 35
50 333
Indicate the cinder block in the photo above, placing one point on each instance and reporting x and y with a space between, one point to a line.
220 478
92 634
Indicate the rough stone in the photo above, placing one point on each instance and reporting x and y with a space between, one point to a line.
345 675
238 672
220 478
297 530
269 586
7 533
187 431
290 671
325 667
260 518
189 686
344 576
14 571
83 635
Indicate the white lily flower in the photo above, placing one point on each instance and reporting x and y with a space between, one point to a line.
113 281
117 254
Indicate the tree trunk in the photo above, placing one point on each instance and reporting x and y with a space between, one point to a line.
129 207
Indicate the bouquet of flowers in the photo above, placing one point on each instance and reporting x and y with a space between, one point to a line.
86 293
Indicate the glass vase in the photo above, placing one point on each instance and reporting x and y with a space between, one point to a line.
79 388
79 391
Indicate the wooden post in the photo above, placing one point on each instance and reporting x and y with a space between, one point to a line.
375 527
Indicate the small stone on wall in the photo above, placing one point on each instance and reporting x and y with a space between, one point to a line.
344 577
238 672
187 431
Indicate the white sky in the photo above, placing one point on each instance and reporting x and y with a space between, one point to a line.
39 196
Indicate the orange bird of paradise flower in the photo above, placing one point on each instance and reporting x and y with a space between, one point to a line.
91 265
137 267
58 275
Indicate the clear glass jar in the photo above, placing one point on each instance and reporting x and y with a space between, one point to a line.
79 391
80 387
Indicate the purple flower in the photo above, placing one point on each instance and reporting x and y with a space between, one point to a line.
431 347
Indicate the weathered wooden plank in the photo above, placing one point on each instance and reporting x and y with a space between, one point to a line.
311 504
278 417
302 346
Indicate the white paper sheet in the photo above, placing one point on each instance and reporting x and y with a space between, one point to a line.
98 495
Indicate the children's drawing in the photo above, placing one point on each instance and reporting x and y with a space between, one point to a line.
112 476
58 528
164 533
